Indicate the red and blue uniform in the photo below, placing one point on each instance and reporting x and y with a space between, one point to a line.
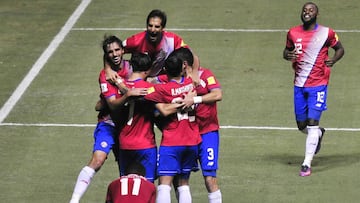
180 134
207 119
105 131
311 73
137 137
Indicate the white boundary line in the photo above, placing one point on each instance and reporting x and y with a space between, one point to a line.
222 127
201 30
39 64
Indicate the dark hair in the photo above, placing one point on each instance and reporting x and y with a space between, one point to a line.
109 40
140 62
185 54
157 13
173 65
312 3
135 168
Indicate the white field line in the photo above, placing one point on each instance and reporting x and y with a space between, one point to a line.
222 127
201 30
39 64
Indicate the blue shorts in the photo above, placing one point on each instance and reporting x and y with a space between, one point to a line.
147 157
309 102
177 160
104 134
209 153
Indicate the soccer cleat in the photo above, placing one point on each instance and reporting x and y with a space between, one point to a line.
320 139
305 171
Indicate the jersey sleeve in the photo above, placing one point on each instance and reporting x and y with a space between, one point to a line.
107 89
333 38
289 42
210 80
154 94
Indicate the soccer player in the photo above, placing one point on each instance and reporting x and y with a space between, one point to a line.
105 130
137 137
208 93
307 47
155 41
131 187
180 134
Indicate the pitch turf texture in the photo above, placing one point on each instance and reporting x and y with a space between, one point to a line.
241 41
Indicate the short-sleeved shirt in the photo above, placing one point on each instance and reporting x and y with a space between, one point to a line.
108 89
181 129
138 131
206 113
169 42
312 49
131 188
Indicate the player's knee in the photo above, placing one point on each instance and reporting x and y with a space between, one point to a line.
302 126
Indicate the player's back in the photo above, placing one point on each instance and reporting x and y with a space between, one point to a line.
138 131
131 188
181 128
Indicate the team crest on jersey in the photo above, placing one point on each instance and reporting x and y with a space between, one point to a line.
211 80
104 87
104 144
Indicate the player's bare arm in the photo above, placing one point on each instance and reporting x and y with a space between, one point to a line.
168 109
339 53
289 53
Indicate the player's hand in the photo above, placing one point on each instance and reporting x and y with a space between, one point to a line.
330 62
111 76
290 55
188 99
99 106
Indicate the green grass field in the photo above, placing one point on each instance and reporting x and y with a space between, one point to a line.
46 134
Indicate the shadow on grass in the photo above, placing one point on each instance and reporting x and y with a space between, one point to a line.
321 162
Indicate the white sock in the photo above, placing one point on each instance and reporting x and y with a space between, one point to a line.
311 144
82 183
320 132
215 197
163 194
184 194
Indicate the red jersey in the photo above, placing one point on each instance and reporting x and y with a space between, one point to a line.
181 128
131 188
312 49
206 113
138 131
108 89
169 42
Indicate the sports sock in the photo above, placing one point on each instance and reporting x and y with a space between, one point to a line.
82 183
311 144
163 194
215 197
320 132
184 194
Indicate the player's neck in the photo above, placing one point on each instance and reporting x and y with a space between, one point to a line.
137 76
178 79
309 27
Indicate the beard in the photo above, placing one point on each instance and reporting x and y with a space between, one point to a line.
153 38
308 22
